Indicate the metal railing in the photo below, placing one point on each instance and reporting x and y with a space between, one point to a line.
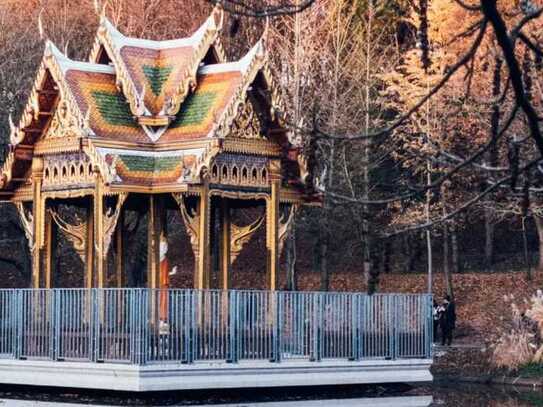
142 326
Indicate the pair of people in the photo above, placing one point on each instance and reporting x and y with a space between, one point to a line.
444 315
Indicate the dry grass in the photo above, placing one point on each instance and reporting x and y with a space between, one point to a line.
521 344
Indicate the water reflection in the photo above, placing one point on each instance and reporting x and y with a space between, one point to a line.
438 394
464 395
402 401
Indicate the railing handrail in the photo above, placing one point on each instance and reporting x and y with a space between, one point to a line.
398 294
144 325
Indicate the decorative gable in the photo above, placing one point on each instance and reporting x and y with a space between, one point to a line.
149 114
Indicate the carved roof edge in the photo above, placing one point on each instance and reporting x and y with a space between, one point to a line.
56 63
255 61
208 34
113 41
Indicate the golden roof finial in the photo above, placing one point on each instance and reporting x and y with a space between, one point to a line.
218 11
40 25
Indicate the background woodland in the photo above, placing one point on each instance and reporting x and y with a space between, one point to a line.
348 69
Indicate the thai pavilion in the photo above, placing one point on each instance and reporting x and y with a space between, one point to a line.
151 125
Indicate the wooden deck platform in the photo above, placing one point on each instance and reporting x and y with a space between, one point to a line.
211 375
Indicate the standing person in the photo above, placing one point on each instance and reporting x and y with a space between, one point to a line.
447 321
164 283
436 314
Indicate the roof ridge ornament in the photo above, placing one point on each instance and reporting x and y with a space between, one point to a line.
208 33
15 134
40 26
218 11
265 35
100 9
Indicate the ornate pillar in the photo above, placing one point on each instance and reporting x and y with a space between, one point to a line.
152 269
50 245
38 217
272 225
119 252
202 277
89 246
99 229
154 227
225 256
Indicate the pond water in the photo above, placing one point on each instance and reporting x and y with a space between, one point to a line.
465 395
441 394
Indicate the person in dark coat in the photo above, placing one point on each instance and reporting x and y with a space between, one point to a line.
436 315
447 321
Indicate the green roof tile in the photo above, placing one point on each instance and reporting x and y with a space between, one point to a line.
194 109
157 76
150 164
114 109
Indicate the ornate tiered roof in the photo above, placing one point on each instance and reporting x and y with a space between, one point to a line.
148 113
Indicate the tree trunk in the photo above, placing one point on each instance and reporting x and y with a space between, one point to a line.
489 240
291 259
493 157
539 227
323 262
446 268
526 254
414 252
385 257
455 254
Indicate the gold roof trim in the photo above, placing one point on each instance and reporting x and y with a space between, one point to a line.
52 62
98 162
256 61
105 38
124 81
210 36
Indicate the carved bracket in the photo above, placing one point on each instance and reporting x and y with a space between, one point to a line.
191 221
285 225
110 221
241 235
75 234
27 221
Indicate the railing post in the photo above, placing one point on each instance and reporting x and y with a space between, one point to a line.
186 295
196 301
429 325
135 326
318 304
355 327
277 324
94 328
17 321
233 326
131 326
397 331
145 322
54 328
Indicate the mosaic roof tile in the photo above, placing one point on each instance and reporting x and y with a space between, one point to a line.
158 71
109 115
151 168
202 107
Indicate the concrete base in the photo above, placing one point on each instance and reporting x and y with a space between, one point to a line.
408 401
211 375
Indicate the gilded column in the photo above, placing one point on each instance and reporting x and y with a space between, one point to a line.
38 216
202 272
225 244
99 229
89 246
119 255
272 225
50 243
151 243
